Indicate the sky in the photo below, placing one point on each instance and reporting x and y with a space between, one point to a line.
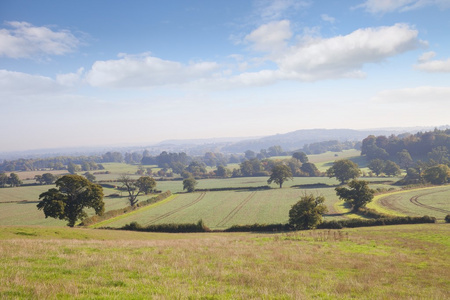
109 72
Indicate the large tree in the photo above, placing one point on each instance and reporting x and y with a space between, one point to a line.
391 169
439 174
280 173
344 170
307 213
376 166
73 194
300 156
14 180
189 184
357 195
134 188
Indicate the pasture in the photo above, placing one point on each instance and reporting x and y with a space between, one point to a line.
392 262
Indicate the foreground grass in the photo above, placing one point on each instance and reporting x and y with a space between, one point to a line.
392 262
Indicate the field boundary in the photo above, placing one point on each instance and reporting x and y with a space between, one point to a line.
139 210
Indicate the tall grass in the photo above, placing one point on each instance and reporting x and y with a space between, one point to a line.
410 262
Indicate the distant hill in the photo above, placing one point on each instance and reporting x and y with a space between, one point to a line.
297 139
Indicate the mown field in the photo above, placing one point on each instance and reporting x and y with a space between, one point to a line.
431 201
392 262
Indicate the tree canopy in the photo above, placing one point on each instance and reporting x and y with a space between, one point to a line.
134 188
73 194
307 213
344 170
280 173
358 195
189 184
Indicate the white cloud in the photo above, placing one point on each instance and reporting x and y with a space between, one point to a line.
270 10
387 6
70 79
146 71
434 66
24 40
426 95
344 56
270 37
427 56
14 84
327 18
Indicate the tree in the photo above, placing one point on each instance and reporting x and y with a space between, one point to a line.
307 213
437 175
74 193
14 180
344 170
134 187
3 179
310 169
189 184
39 179
404 159
358 195
48 178
222 171
376 166
300 156
280 173
73 168
89 176
391 169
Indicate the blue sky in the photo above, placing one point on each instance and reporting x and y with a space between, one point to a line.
93 73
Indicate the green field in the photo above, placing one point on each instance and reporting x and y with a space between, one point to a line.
433 201
391 262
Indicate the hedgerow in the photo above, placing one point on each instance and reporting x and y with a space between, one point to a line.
117 212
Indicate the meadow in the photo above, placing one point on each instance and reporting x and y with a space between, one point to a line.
391 262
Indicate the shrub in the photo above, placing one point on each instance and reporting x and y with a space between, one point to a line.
447 218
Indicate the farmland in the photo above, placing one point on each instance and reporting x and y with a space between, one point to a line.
395 262
432 201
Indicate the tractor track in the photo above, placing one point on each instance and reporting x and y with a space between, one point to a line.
414 200
235 210
163 216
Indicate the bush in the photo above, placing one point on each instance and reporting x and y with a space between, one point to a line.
447 218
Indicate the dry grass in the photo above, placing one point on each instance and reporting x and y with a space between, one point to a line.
396 262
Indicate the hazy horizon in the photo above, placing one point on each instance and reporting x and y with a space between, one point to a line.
92 74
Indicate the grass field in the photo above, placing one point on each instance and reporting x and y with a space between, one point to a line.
431 201
392 262
219 210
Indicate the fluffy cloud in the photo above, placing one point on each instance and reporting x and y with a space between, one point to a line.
14 84
432 66
344 56
424 94
270 37
146 71
386 6
24 40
